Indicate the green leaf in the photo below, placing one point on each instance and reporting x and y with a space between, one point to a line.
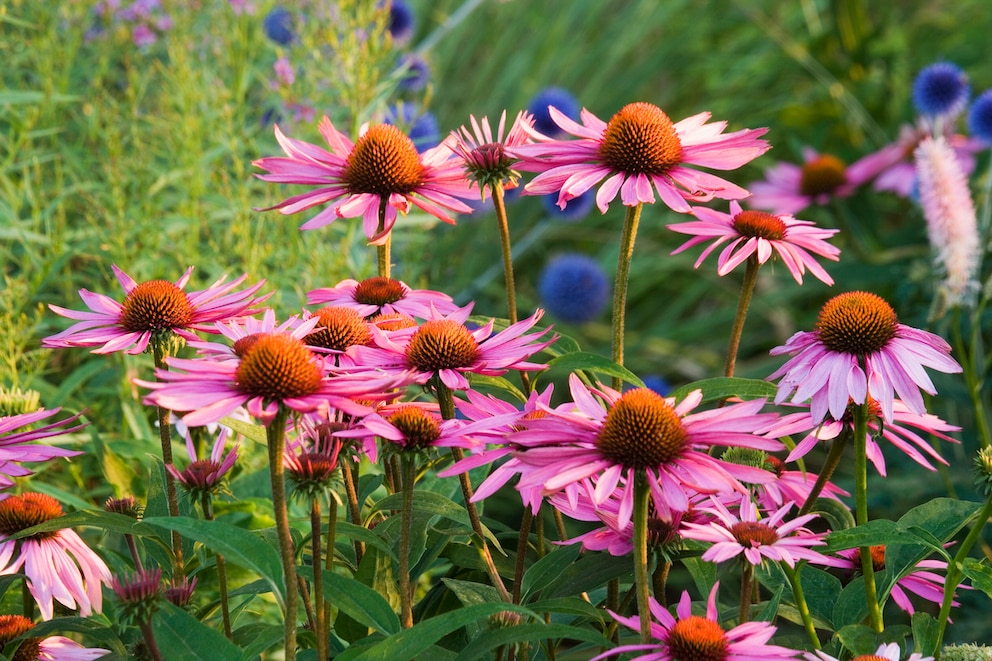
593 362
589 572
768 613
534 631
925 631
548 568
861 639
238 546
428 502
105 520
364 535
724 387
254 432
407 644
471 593
565 344
879 531
185 638
361 603
568 606
498 383
979 573
96 628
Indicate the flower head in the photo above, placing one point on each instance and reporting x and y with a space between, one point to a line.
52 648
858 348
414 71
640 148
402 22
180 591
375 177
17 436
574 288
58 564
940 89
420 125
699 638
378 295
789 188
980 117
484 154
278 26
156 311
553 97
885 652
204 476
759 234
139 594
769 537
312 457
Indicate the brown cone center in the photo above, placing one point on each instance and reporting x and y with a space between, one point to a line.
18 513
420 430
384 161
641 139
856 323
751 534
697 639
822 175
278 367
156 305
379 291
442 344
339 328
641 431
760 225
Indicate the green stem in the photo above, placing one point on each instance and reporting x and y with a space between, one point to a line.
829 466
973 370
954 571
627 238
165 437
747 289
641 495
354 510
659 579
382 252
318 580
225 608
409 470
797 592
504 239
747 583
332 528
522 543
861 514
276 437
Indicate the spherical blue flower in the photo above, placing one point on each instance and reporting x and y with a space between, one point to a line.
576 209
574 288
940 89
657 383
416 73
980 117
401 21
421 127
278 26
562 99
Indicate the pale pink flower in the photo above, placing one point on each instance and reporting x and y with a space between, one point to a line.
49 648
59 566
757 539
688 636
152 309
17 442
600 447
378 295
789 188
486 158
858 348
376 177
885 652
640 150
241 333
951 223
759 234
791 486
444 348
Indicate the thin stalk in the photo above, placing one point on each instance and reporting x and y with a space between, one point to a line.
829 466
747 583
332 527
659 579
641 496
861 514
504 239
797 592
627 239
354 510
318 580
972 369
132 548
301 584
743 303
954 571
409 470
151 646
206 502
382 251
276 441
613 604
165 437
522 544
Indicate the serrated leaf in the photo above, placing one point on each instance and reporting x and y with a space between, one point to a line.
361 603
595 363
238 546
185 638
725 387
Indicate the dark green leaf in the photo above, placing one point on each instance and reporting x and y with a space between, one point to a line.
879 531
499 383
979 573
490 640
471 593
861 639
364 535
595 363
768 613
184 638
435 504
548 568
589 572
105 520
361 602
724 387
568 606
925 631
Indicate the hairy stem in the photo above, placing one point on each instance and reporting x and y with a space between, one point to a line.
409 470
797 592
165 437
861 515
829 466
206 502
641 496
318 579
743 303
627 239
276 437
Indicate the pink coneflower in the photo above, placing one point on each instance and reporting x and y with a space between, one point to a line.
601 446
152 310
139 593
789 188
378 295
242 333
275 370
17 442
951 223
375 177
885 652
918 580
640 150
757 539
58 564
443 347
761 234
897 431
485 157
689 636
51 648
204 476
858 348
311 458
792 486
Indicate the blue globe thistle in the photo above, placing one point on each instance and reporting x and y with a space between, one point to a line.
576 209
422 127
574 288
940 89
657 383
980 117
416 73
401 21
562 99
278 26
